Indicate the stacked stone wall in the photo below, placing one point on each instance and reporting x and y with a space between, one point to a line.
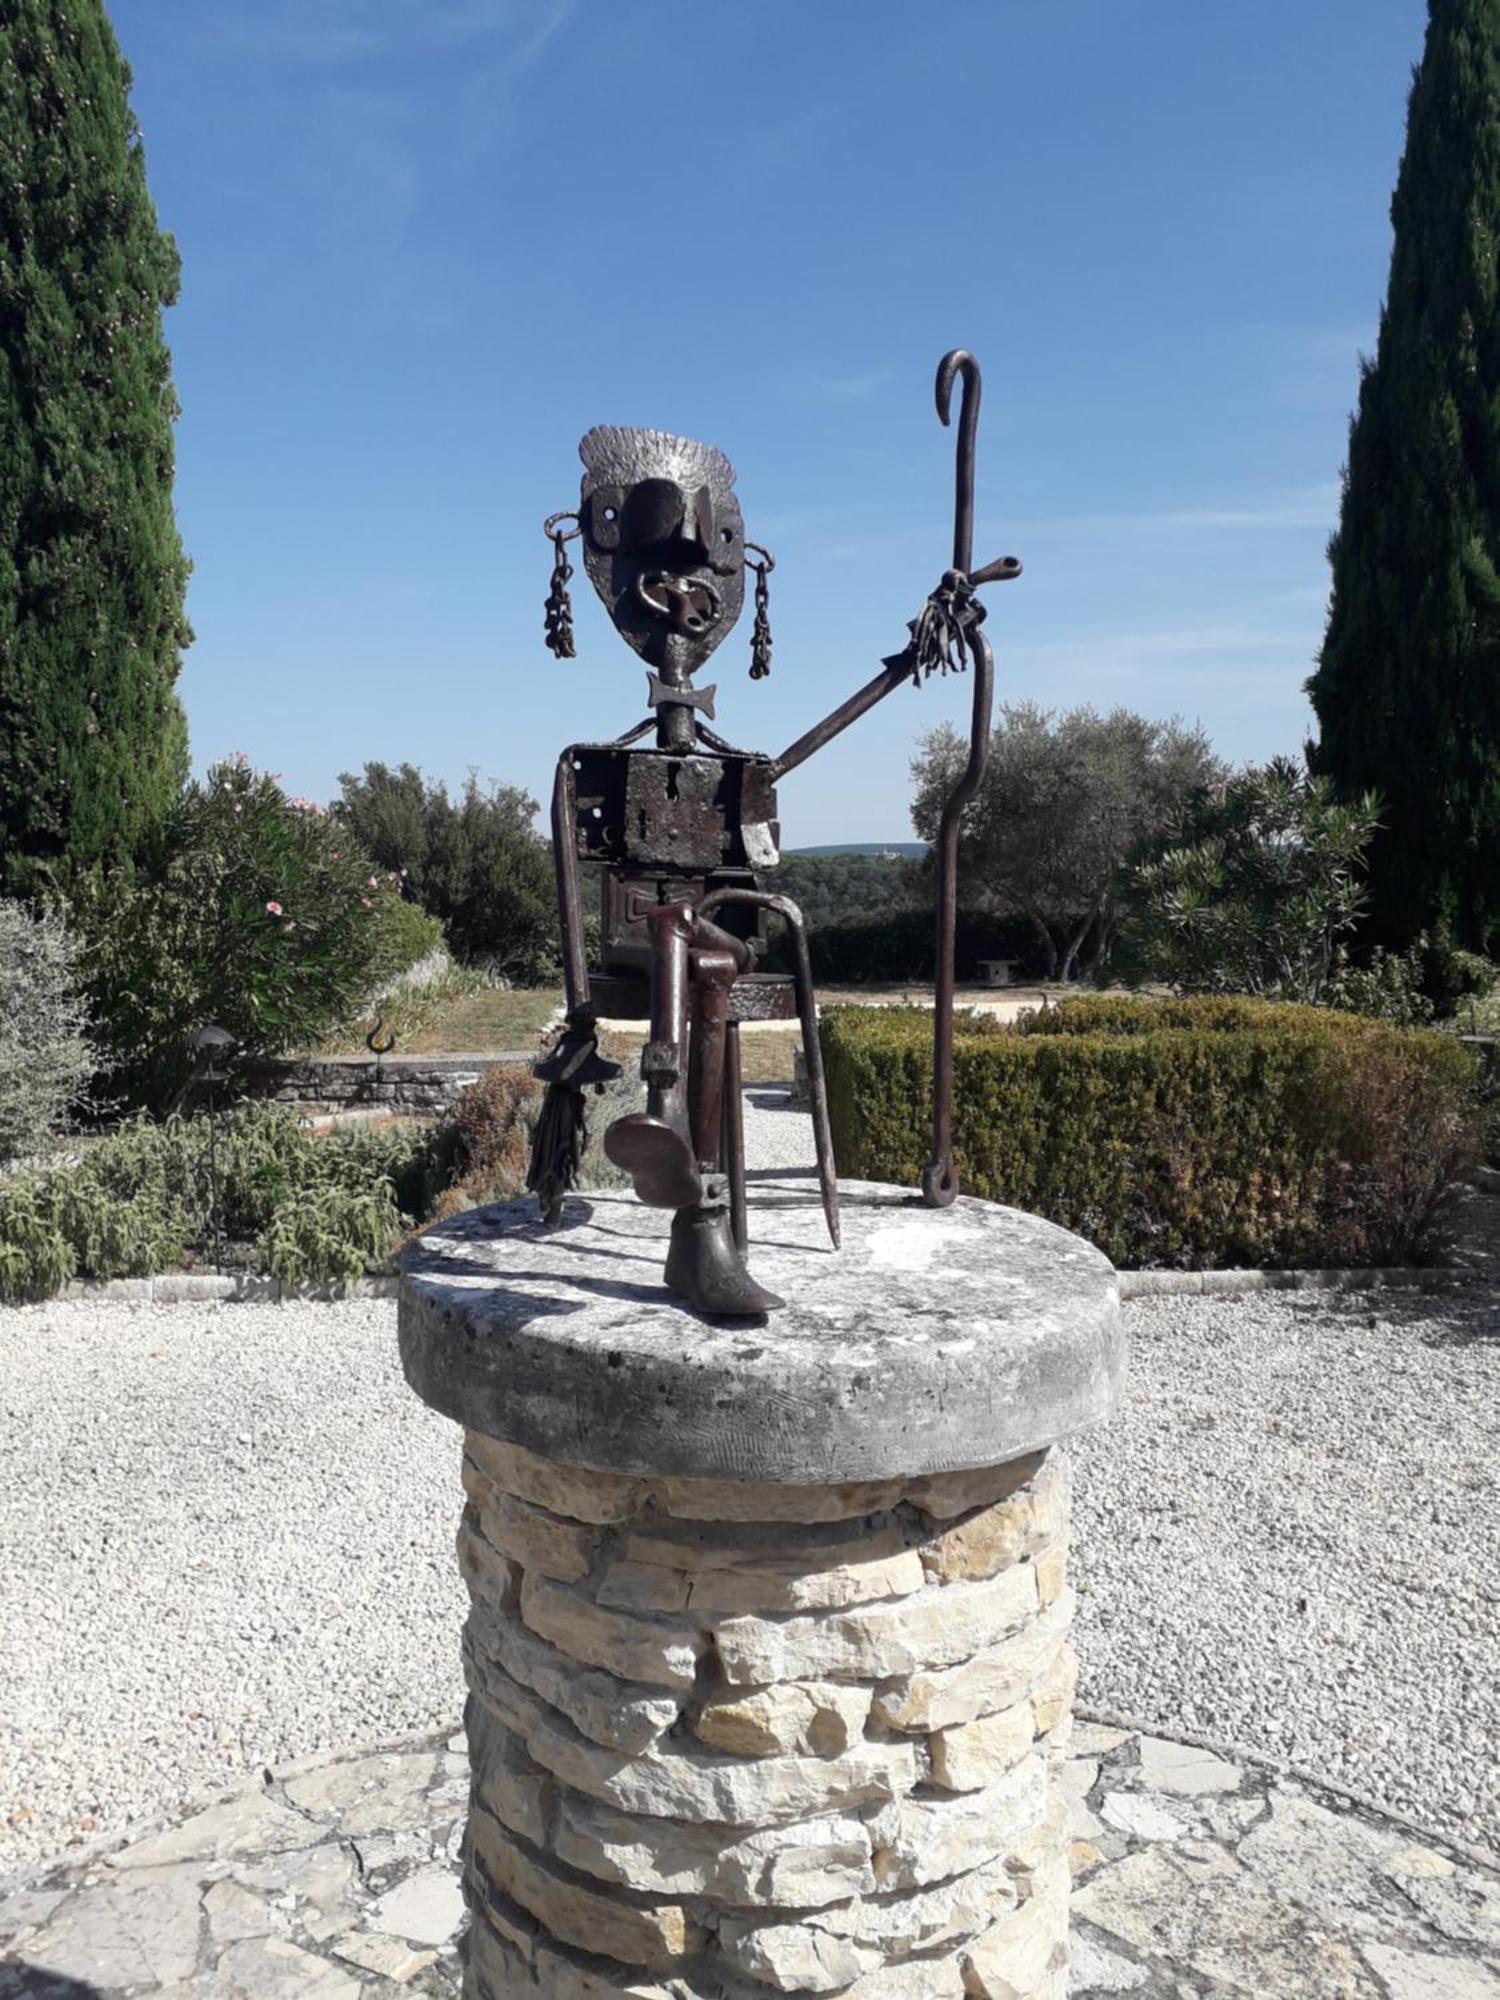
733 1741
399 1086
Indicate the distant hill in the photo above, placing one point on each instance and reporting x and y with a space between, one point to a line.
906 850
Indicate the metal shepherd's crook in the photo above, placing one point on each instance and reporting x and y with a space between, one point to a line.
940 1181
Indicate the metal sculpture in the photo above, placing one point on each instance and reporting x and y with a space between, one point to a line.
680 833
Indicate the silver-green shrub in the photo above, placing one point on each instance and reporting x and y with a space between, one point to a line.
45 1057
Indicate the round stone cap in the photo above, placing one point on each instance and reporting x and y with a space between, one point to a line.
935 1340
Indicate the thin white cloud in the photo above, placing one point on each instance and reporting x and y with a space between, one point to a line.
331 33
1311 507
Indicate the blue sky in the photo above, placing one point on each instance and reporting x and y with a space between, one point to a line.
428 243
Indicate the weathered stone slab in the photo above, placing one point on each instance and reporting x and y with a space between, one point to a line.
932 1630
984 1542
795 1867
771 1586
1013 1960
139 1930
274 1969
253 1823
924 1840
622 1715
1418 1975
695 1545
537 1540
426 1908
774 1500
1210 1916
946 1494
809 1718
631 1648
490 1577
636 1932
1017 1345
995 1677
795 1958
1181 1768
557 1485
679 1778
974 1754
367 1794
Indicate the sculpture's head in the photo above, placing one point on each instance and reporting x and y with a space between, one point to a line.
664 546
663 539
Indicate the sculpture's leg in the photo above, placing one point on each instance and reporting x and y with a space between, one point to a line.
653 1146
807 1013
732 1127
706 1264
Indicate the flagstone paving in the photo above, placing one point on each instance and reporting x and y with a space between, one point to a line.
1197 1877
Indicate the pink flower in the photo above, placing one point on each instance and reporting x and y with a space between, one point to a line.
371 883
288 925
366 901
273 909
333 857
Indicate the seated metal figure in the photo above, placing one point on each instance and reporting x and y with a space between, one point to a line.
680 833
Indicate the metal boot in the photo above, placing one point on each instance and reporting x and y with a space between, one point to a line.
705 1268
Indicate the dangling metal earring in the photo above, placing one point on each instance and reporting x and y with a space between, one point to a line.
760 637
559 616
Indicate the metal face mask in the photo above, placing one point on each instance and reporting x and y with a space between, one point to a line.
664 542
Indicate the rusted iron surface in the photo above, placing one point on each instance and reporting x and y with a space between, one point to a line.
680 834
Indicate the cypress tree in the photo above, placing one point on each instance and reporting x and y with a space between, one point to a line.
1407 689
93 744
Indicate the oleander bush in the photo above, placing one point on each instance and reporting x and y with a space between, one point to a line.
1185 1133
261 915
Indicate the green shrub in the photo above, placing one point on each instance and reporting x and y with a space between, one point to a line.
263 917
476 861
897 947
1387 987
36 1259
1185 1133
45 1058
312 1210
327 1236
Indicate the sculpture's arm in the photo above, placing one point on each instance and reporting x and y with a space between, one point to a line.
892 675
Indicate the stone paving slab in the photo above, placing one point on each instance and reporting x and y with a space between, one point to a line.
1196 1877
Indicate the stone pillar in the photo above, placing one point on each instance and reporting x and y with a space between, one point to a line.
768 1649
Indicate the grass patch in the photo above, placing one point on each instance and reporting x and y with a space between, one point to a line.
481 1022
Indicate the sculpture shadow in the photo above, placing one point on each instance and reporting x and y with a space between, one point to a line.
20 1981
1457 1316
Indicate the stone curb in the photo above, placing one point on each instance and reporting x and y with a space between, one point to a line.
1240 1753
180 1288
1236 1284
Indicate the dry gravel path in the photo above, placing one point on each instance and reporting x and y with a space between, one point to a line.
226 1541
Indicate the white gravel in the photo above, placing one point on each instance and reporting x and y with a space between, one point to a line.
1291 1540
226 1541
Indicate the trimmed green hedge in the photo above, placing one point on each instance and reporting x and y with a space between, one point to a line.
1182 1133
